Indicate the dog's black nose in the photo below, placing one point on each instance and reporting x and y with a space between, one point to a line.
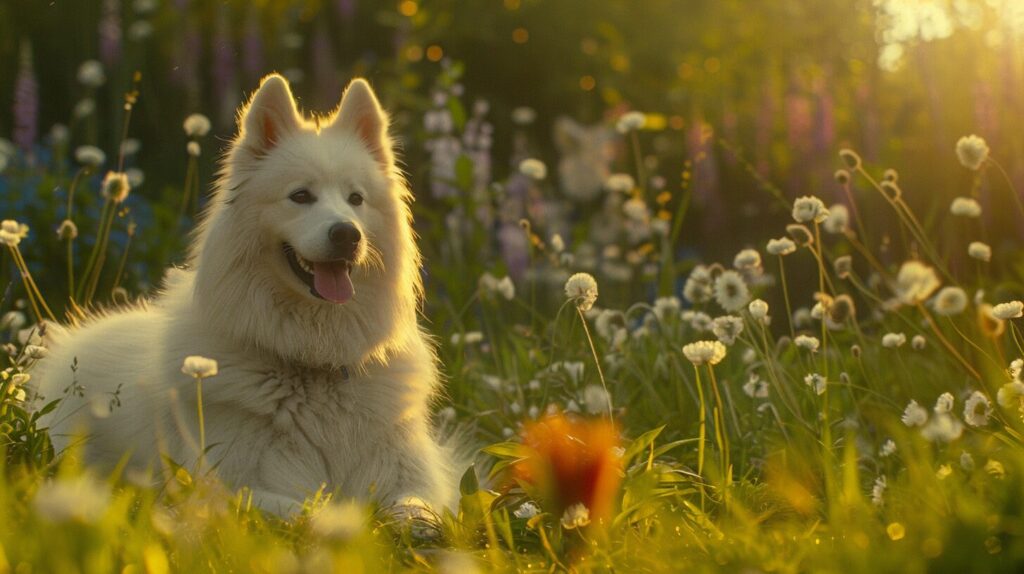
344 237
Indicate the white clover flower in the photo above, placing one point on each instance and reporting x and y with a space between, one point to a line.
699 285
533 168
758 309
972 151
727 328
1009 395
506 288
468 338
950 301
84 108
196 125
977 409
838 219
747 259
942 428
193 149
965 207
523 116
755 388
620 183
199 367
878 491
918 342
581 288
781 246
339 522
914 415
888 448
527 510
90 156
1008 310
67 230
636 210
944 404
731 291
576 516
665 307
807 342
630 121
809 209
90 74
595 399
816 382
80 499
915 282
701 352
980 251
557 243
701 321
893 340
116 187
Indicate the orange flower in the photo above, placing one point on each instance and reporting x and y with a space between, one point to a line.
571 461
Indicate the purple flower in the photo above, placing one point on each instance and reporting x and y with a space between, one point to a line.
26 102
252 57
110 33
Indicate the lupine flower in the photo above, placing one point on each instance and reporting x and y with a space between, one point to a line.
965 207
781 246
809 209
199 367
893 340
980 251
581 288
1008 310
704 352
915 282
533 168
977 409
972 151
950 301
914 415
731 291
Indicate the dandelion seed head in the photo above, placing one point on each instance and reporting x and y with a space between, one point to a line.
699 285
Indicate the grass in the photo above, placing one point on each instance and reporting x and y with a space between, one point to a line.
778 456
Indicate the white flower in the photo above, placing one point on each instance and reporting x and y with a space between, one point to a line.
977 409
523 116
838 219
576 516
90 74
620 182
526 510
665 307
630 121
972 151
995 468
980 251
557 243
84 108
888 448
914 415
700 321
944 404
943 428
950 301
747 259
698 287
816 382
918 342
135 177
581 288
79 499
730 291
196 125
965 207
727 328
338 521
1009 394
13 320
781 246
116 187
506 288
595 399
893 340
758 309
130 146
469 338
199 367
755 388
807 342
1008 310
91 156
809 209
35 352
878 491
701 352
915 282
533 168
636 210
67 230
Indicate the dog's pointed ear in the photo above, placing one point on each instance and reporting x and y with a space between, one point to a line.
269 116
360 113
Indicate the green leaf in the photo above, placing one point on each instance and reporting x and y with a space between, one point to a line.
469 483
641 443
464 173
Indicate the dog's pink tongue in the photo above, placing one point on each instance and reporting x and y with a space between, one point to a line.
332 281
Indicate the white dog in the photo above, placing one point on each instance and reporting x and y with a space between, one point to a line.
304 286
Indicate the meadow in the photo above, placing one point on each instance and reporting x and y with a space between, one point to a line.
675 336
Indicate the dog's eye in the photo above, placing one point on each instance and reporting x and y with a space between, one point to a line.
302 196
355 199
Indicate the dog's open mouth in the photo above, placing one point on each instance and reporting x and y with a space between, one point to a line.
328 280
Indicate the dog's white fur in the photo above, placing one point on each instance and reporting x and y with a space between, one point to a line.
281 414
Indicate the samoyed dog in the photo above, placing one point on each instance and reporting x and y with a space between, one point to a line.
303 284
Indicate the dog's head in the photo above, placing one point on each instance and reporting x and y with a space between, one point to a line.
310 227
